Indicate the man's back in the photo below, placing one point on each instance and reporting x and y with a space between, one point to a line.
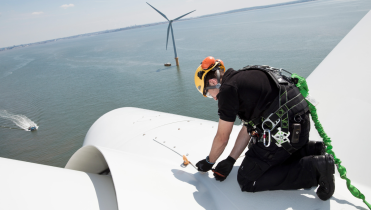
245 93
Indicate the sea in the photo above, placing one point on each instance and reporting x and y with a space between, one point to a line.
65 86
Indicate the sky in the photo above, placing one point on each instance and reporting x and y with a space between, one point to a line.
29 21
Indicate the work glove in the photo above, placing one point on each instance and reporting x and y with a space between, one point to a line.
223 168
204 165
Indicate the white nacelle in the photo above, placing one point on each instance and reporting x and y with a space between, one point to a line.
33 186
341 85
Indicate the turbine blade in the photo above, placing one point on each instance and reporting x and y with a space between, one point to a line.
183 15
158 11
168 30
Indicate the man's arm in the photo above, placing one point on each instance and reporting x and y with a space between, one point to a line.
224 168
221 140
242 141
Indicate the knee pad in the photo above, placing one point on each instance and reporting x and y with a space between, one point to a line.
248 173
248 186
245 184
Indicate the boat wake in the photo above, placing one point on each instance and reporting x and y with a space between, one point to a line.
21 121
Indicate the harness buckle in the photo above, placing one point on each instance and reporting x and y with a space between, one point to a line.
267 131
271 122
281 137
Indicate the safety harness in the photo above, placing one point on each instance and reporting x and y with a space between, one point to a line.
273 123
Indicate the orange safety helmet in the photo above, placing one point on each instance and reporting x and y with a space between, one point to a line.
208 64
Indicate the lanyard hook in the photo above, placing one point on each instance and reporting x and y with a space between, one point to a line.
267 131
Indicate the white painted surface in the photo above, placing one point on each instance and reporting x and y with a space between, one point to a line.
144 170
88 159
26 185
341 84
133 130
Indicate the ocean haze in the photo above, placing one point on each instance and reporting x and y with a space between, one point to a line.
44 33
65 86
24 21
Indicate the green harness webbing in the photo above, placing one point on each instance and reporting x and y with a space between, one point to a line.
303 87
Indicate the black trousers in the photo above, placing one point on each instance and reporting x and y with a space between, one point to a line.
273 168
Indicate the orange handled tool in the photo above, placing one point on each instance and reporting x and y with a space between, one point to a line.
217 173
186 161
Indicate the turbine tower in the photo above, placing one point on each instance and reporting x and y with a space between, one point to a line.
172 33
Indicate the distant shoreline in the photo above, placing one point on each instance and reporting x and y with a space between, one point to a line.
153 24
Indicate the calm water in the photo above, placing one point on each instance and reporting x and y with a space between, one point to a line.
65 86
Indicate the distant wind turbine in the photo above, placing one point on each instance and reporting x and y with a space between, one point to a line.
168 29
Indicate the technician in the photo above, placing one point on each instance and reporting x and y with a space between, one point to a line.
276 130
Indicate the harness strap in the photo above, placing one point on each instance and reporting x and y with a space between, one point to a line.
277 115
273 117
284 119
253 123
283 111
288 147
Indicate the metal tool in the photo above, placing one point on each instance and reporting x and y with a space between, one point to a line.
185 160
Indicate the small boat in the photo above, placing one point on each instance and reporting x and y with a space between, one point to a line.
32 128
167 64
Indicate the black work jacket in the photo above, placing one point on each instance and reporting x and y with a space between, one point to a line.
245 93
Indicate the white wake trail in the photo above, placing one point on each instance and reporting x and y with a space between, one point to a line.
18 119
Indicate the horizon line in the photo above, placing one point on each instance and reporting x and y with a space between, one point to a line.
155 23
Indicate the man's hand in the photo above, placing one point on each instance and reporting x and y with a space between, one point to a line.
203 165
224 168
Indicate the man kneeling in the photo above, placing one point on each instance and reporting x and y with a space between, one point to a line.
277 125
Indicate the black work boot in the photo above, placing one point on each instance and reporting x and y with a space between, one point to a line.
325 170
313 148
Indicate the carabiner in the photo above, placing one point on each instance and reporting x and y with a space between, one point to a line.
265 137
